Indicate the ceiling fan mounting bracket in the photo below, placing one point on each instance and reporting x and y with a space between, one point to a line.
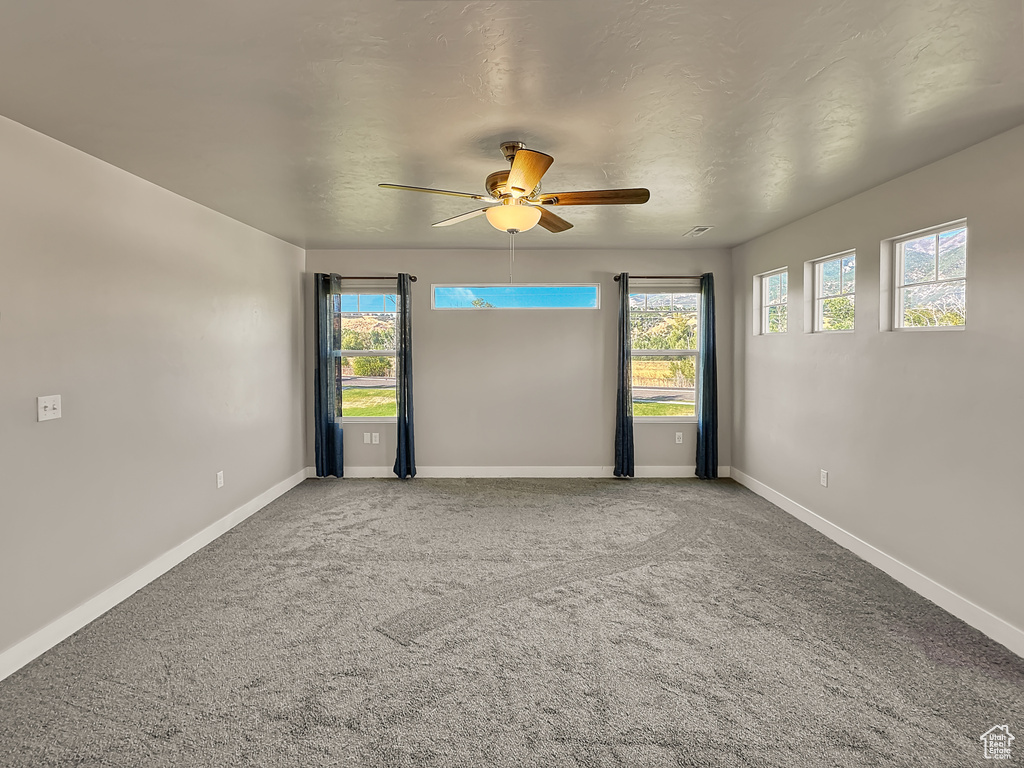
509 149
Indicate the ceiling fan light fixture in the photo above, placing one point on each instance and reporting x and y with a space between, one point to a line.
513 216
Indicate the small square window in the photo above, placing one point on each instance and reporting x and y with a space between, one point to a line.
931 278
774 301
835 281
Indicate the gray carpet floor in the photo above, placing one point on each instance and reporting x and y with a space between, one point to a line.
504 622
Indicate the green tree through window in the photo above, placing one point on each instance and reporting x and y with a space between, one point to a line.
664 332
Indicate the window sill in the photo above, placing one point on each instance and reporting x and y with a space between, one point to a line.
369 419
930 328
664 419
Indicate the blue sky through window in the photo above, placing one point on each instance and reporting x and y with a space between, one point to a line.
367 302
511 296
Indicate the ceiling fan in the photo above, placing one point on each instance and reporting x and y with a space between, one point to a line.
516 203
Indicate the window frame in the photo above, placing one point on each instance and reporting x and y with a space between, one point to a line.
369 290
818 300
898 286
763 304
689 287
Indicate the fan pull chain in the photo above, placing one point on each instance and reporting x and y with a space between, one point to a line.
511 254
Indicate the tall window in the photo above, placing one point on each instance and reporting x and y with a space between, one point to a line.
835 279
365 326
664 333
774 301
931 278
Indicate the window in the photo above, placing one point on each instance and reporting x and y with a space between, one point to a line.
931 278
664 332
516 296
365 326
834 284
774 301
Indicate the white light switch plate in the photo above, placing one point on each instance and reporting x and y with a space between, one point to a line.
48 407
376 438
824 477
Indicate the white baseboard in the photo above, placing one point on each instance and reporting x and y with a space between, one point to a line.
17 656
457 472
655 471
991 625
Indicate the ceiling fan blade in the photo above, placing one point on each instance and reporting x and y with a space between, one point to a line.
460 217
527 169
439 192
597 197
553 223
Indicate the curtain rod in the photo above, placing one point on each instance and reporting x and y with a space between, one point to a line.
661 277
374 277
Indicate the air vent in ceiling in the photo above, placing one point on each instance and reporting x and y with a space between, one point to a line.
697 231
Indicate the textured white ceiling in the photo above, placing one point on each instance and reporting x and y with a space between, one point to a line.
285 115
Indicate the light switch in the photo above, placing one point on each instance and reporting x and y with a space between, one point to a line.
48 407
366 438
376 438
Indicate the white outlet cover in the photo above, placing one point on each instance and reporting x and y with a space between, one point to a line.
376 438
366 438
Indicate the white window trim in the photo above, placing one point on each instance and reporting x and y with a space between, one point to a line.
639 285
514 285
817 300
761 305
896 279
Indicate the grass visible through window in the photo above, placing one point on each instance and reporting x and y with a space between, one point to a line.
357 401
641 408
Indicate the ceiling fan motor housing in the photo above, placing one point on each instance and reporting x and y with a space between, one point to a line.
497 188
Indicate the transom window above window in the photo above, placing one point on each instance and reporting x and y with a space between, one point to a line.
774 287
931 278
835 281
516 296
664 332
365 326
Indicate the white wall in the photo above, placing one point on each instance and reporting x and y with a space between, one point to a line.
921 431
175 338
525 388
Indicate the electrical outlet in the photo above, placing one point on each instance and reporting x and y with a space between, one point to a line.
679 438
366 438
824 477
220 479
47 407
376 438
